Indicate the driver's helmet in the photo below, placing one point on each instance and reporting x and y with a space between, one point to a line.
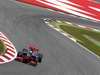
33 48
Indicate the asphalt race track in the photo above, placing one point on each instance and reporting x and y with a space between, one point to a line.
61 55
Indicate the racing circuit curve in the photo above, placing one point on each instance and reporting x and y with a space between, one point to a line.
61 55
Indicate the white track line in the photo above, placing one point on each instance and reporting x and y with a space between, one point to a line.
74 40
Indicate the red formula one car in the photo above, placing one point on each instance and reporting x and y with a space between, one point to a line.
29 56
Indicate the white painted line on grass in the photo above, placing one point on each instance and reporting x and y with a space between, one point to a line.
74 40
88 50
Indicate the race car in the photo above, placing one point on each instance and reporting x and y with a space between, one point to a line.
29 56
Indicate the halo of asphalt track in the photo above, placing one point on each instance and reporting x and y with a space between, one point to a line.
61 55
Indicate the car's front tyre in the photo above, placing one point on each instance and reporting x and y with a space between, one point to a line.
19 54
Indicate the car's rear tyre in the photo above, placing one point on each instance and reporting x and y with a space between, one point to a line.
40 56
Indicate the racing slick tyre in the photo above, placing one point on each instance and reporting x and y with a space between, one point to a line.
33 63
40 56
19 54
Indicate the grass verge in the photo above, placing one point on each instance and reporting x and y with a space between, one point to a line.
2 47
93 40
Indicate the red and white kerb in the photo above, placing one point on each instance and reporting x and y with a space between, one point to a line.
85 8
11 53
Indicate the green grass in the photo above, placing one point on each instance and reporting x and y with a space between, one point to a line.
79 33
2 48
